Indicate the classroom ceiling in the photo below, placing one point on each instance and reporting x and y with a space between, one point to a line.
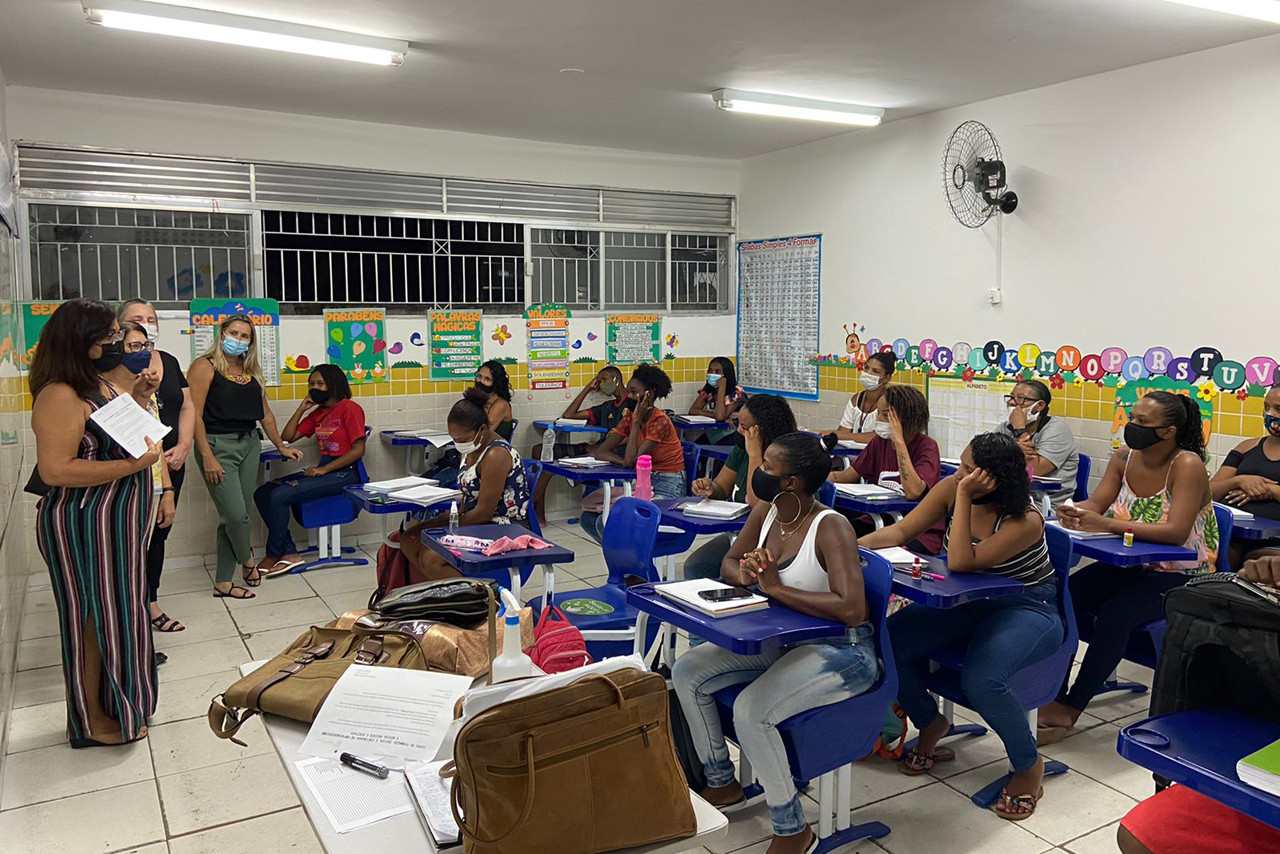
493 66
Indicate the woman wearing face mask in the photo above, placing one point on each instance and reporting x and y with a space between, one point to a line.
337 422
230 397
176 411
1046 442
92 524
720 398
136 367
493 485
1250 477
862 410
806 557
993 528
1158 487
900 450
494 393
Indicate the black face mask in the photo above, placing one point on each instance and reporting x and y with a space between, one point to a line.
739 441
112 356
766 486
319 395
989 498
487 389
1139 437
631 403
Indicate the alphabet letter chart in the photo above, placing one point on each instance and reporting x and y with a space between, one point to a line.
779 282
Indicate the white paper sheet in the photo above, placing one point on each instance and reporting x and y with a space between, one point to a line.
129 424
431 791
353 799
385 712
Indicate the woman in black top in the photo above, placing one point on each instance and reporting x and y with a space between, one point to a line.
1250 476
230 400
178 414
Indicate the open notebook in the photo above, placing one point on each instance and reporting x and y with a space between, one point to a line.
686 594
867 490
431 796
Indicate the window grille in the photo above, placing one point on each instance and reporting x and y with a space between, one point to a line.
566 267
699 272
635 270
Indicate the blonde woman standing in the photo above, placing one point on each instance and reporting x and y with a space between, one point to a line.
231 400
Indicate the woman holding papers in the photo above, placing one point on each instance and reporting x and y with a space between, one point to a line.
92 523
1156 486
493 486
337 422
806 557
178 413
230 397
992 527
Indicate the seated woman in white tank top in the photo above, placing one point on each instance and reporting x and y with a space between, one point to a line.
806 557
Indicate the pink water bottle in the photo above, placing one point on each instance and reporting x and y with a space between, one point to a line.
644 484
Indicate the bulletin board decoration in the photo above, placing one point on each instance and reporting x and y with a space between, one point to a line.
547 325
1130 393
779 300
633 339
34 316
959 410
355 340
206 314
457 348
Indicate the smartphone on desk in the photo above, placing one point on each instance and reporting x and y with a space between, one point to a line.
724 594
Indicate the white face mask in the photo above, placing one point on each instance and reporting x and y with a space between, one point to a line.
869 381
1032 413
883 430
153 331
466 448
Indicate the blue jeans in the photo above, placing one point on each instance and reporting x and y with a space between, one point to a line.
783 683
1002 635
666 484
275 499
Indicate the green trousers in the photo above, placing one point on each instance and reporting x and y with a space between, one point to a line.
238 455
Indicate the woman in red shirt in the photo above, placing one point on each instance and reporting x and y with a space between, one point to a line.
644 430
337 422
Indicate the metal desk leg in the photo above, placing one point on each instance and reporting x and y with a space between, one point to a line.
408 459
608 491
878 520
548 584
515 582
642 627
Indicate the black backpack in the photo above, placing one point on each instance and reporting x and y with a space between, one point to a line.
1222 649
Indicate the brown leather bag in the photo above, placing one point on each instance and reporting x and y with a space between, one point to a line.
585 768
296 682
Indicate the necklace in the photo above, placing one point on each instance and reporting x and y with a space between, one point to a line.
796 523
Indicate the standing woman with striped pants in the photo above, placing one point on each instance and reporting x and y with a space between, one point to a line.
93 524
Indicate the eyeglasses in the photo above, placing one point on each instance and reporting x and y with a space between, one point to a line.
140 347
112 338
1019 400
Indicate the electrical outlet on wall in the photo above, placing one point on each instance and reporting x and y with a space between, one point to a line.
994 296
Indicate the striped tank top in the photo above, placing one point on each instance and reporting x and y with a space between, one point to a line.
1030 566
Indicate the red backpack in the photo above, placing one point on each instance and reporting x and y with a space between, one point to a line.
558 645
393 568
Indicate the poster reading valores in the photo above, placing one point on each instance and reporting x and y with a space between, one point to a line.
456 347
356 340
208 314
547 325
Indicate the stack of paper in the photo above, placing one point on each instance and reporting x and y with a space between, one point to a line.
583 462
1083 535
716 509
898 556
866 490
435 437
384 487
426 495
431 794
571 422
695 419
852 445
1236 512
1262 769
686 593
129 424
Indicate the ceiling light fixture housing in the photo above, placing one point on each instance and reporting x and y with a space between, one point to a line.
784 106
162 19
1263 10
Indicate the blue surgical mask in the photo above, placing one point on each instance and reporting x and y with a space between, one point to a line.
137 362
234 346
1272 424
714 379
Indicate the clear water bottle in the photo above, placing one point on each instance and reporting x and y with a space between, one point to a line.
549 444
453 518
644 481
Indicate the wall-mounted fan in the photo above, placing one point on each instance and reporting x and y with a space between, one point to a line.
973 176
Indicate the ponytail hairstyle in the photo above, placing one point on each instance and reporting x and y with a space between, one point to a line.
1000 456
1184 413
808 457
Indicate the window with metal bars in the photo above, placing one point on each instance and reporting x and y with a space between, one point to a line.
318 260
566 267
165 256
699 272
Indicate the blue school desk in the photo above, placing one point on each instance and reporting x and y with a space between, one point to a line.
877 508
1113 551
697 525
409 443
474 563
380 505
1257 528
541 427
956 588
593 474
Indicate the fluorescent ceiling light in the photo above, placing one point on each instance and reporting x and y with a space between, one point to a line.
1263 10
756 103
162 19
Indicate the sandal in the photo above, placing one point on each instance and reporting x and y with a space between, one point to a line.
914 763
282 567
256 569
1017 807
165 623
233 593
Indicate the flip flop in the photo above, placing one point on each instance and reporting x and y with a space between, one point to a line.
914 763
164 623
281 568
1022 806
233 593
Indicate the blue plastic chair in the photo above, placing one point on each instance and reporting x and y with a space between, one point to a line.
1082 479
628 550
823 743
532 471
692 456
674 541
827 494
1147 640
326 516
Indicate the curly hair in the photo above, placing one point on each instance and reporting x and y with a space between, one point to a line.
999 455
729 374
808 457
1184 413
888 361
501 383
773 415
654 379
911 407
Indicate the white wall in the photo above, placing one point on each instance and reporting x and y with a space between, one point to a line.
1148 217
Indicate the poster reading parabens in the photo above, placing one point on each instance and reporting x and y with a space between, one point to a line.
355 340
206 314
633 339
547 326
779 282
456 347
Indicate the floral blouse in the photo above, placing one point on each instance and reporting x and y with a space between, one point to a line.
515 492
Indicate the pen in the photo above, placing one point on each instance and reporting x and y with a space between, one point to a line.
928 576
379 771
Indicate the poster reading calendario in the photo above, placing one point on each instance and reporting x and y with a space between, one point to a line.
778 288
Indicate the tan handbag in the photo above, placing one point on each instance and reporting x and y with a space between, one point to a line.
585 768
296 682
467 652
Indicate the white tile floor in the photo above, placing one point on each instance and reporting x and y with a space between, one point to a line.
183 791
